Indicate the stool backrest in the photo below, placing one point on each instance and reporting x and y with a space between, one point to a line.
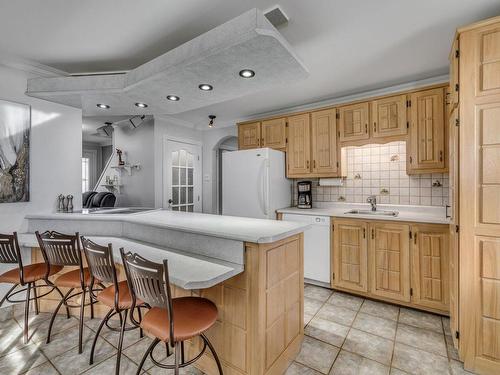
9 249
101 264
149 282
60 249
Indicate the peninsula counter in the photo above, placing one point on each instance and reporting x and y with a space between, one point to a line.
252 269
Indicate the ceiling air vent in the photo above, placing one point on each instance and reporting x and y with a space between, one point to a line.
276 16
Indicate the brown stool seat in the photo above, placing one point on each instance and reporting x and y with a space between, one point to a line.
71 279
31 273
192 317
107 296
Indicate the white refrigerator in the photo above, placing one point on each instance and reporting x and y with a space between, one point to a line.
254 183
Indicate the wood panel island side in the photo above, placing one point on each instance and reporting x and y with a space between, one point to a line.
251 269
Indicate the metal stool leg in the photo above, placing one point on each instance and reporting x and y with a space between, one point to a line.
216 357
62 297
104 320
7 294
54 314
141 333
26 313
145 356
177 354
37 311
120 343
80 326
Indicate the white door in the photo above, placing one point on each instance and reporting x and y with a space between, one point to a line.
182 176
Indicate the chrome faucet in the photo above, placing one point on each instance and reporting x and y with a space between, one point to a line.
372 199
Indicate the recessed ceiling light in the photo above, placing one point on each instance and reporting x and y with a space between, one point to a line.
247 73
103 106
173 98
141 105
205 87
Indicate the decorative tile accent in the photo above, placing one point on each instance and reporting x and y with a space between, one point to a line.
374 169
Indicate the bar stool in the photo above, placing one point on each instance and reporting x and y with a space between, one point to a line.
116 296
25 276
170 320
64 250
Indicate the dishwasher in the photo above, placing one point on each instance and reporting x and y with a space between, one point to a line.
316 247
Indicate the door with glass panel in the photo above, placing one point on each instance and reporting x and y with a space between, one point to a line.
182 176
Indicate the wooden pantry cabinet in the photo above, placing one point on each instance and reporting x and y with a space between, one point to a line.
476 71
382 260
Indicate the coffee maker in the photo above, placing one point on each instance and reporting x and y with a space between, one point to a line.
305 194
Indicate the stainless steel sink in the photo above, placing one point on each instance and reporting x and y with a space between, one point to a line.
374 213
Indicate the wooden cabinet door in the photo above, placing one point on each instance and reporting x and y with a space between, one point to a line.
249 136
353 122
274 133
389 261
427 132
350 255
299 146
430 264
389 116
324 143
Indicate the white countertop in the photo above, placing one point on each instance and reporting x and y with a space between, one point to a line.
227 227
420 214
185 271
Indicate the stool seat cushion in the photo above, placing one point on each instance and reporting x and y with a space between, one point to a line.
31 273
107 296
71 279
192 316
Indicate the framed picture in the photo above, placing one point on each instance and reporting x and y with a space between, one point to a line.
15 128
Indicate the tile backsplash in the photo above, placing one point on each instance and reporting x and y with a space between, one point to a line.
381 170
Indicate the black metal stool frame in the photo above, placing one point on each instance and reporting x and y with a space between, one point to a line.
10 253
154 289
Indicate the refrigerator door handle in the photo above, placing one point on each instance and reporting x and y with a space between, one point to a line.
262 189
266 187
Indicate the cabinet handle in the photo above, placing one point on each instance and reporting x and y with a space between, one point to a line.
440 155
373 234
446 211
415 238
364 233
374 126
307 164
314 163
366 128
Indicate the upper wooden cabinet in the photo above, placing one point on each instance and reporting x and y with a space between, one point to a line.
249 135
350 255
325 153
299 145
353 122
389 117
389 261
273 133
427 142
430 265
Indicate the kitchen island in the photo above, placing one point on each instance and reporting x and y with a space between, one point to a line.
252 269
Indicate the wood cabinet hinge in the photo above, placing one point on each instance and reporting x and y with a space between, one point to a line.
457 54
411 235
457 228
333 227
457 87
407 124
408 103
411 160
373 234
337 164
286 140
286 124
337 115
457 122
411 291
333 276
457 335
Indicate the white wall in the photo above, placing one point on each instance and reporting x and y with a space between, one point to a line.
55 154
166 127
137 147
211 140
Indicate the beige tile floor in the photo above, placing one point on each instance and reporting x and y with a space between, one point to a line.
344 335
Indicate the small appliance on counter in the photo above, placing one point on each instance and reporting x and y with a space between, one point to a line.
305 194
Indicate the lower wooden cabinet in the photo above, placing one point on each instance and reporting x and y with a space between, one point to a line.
389 261
406 263
350 257
431 266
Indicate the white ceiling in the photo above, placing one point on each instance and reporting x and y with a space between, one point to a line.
348 45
